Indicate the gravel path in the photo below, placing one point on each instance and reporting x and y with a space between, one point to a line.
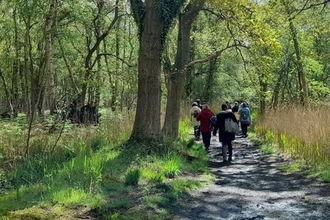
250 187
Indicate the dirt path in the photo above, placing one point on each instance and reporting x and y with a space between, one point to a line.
250 187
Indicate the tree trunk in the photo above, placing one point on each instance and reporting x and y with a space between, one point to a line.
262 97
27 72
210 79
178 78
301 74
16 70
50 74
147 119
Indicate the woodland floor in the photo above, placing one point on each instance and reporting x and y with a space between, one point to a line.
251 187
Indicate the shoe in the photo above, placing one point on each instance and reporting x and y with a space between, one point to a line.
224 160
230 159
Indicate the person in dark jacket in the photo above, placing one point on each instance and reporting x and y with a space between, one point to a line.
235 110
205 127
225 138
199 104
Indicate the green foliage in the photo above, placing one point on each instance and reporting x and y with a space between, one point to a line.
132 177
172 165
268 149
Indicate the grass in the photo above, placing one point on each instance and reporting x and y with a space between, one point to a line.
268 149
302 133
92 171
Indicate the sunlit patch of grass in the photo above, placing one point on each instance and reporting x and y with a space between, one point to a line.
325 174
180 186
293 167
268 149
152 176
69 196
32 213
172 165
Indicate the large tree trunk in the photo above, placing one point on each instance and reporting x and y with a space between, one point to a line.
147 119
178 78
153 18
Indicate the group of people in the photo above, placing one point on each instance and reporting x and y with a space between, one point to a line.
201 116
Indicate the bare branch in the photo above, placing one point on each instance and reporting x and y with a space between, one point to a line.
309 6
113 55
214 55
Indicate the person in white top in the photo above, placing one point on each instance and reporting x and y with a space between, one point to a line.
194 111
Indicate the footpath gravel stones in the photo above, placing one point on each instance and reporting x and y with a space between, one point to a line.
250 187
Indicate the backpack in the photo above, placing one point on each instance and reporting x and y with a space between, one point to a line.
213 121
244 116
195 114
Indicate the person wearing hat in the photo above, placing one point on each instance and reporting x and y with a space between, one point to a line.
235 110
194 111
199 104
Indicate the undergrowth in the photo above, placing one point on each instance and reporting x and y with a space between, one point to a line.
93 171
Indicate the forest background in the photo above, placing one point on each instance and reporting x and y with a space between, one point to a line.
134 67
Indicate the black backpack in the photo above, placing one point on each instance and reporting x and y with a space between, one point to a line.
213 121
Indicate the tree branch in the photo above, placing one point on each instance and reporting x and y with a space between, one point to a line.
309 6
214 55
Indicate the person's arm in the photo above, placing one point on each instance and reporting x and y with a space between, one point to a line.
216 127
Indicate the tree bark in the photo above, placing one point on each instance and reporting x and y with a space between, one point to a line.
301 74
147 119
177 79
16 70
50 73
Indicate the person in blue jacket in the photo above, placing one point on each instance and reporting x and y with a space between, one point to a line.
245 119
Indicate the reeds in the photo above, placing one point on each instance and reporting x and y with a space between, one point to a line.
302 132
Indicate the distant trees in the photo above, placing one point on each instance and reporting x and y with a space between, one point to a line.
149 54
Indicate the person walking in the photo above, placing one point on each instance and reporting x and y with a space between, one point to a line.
199 104
194 111
205 127
245 119
235 110
225 137
228 105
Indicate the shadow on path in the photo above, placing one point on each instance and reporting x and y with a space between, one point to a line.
250 187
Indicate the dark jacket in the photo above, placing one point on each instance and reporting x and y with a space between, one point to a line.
204 117
221 117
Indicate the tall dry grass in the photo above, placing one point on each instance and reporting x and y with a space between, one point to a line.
303 132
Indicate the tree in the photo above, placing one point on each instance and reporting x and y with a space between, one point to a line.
178 72
153 18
